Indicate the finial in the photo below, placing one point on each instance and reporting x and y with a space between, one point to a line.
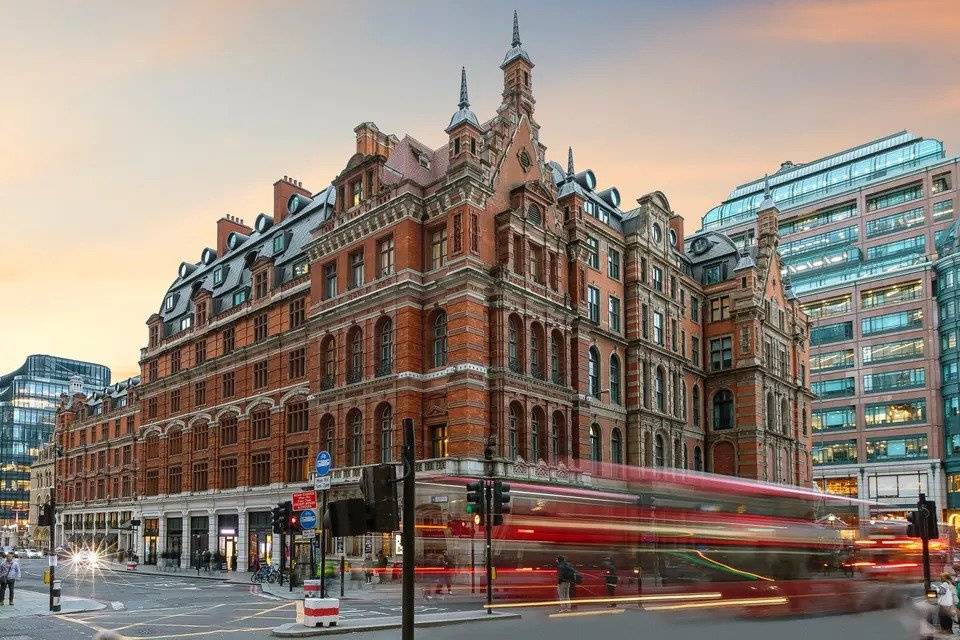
464 100
766 186
516 30
569 162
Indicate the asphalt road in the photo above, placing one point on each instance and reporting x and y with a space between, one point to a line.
161 607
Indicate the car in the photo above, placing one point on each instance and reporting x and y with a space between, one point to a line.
34 553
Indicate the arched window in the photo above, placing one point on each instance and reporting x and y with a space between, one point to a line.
593 372
440 340
697 458
538 436
659 454
355 355
616 446
355 425
771 412
596 446
696 406
615 396
556 357
385 424
683 399
384 337
784 416
558 438
677 400
722 410
677 454
514 340
806 421
515 437
536 351
328 434
328 363
534 215
659 390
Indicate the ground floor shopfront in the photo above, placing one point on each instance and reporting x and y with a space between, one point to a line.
106 528
893 487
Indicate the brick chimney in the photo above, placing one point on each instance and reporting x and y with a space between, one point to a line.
225 226
282 190
676 225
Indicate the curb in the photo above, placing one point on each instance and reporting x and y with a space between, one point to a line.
296 630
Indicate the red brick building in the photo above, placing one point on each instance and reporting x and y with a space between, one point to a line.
488 293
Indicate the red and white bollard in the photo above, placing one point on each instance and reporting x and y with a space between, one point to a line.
131 566
311 589
321 612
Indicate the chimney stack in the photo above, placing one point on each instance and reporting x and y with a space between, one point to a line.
225 226
282 190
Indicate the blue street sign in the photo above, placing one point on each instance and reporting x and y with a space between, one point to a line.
324 463
308 519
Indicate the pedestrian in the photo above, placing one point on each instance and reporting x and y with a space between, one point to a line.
9 574
610 578
566 574
446 575
382 566
946 602
368 569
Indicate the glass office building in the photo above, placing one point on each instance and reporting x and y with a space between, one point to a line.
858 236
948 299
28 403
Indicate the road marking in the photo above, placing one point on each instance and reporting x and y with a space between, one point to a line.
206 633
575 614
172 615
282 606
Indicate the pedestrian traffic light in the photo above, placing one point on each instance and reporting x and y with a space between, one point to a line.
928 511
913 526
475 497
277 518
501 501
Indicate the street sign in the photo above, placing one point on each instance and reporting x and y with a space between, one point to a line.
304 500
324 464
308 519
308 533
321 483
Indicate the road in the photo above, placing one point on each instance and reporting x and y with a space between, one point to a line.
161 607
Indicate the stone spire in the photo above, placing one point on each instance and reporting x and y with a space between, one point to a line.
570 170
767 202
464 99
463 114
516 30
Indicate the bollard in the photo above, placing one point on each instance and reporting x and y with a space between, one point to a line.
55 592
311 589
319 612
343 571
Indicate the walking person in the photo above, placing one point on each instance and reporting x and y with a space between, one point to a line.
566 574
946 602
610 579
9 574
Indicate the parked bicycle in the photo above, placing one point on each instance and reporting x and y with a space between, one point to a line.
267 573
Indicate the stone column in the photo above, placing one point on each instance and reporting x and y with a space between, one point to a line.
241 539
863 494
161 535
213 532
186 540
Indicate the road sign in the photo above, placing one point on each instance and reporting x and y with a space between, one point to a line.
321 483
308 519
308 533
324 464
304 500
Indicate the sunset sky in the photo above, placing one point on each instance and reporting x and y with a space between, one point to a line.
128 128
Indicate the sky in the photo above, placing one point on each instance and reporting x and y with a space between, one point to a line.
128 128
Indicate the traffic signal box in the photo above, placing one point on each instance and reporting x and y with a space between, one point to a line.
475 501
923 521
501 501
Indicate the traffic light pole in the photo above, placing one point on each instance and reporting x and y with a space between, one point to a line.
323 549
409 514
488 518
53 554
925 539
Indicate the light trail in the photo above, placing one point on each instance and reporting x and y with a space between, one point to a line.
739 602
624 599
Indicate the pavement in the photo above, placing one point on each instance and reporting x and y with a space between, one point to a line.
35 603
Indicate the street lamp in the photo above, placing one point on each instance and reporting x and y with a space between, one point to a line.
54 593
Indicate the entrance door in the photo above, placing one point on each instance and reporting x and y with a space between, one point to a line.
228 551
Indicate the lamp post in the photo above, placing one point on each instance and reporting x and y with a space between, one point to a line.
54 592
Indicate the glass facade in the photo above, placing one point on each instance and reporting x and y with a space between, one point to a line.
886 323
828 333
890 414
897 448
835 452
894 380
28 403
891 351
835 419
839 388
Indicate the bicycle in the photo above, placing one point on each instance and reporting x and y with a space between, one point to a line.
267 573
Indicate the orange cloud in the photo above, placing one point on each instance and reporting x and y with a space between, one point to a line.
915 23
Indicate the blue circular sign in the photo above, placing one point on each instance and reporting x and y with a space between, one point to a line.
308 519
324 463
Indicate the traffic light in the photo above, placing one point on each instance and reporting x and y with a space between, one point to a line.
475 497
45 517
501 501
928 511
277 518
379 487
293 522
913 526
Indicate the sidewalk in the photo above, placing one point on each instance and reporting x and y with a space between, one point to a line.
389 591
296 630
234 577
33 603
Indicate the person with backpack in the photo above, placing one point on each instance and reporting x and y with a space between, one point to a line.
566 577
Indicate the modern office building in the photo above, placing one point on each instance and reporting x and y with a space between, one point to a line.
859 230
28 405
948 297
493 296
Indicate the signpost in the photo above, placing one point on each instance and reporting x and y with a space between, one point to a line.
304 500
308 519
321 483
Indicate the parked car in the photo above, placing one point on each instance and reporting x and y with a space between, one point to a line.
34 553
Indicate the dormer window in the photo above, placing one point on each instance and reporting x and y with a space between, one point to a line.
218 276
300 268
278 244
169 302
186 322
239 297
